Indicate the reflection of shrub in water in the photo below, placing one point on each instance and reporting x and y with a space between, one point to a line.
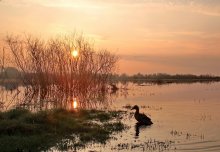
51 73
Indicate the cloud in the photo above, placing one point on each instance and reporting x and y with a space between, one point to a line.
51 3
116 2
205 7
195 63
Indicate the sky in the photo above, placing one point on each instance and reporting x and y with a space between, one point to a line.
150 36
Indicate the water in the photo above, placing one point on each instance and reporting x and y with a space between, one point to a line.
186 118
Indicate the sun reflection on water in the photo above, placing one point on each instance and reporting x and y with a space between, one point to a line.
75 103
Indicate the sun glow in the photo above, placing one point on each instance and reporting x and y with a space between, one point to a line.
74 53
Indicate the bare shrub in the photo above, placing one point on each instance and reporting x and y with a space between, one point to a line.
51 74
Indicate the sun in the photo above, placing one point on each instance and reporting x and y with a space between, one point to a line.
74 53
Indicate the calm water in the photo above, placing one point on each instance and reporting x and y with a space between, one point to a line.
186 118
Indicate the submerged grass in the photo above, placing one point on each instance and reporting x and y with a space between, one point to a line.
22 130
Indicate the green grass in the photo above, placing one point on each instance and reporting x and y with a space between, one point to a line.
23 130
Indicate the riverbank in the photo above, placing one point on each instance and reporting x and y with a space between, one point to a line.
22 130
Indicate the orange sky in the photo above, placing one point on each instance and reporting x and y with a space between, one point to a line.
172 36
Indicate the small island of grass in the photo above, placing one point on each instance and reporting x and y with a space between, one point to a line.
22 130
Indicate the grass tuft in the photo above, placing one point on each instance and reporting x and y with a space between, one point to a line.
42 130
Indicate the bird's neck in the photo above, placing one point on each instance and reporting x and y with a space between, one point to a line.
137 111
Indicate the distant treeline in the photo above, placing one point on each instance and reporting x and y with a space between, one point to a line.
161 78
9 73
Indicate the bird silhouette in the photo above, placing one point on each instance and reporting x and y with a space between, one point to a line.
141 118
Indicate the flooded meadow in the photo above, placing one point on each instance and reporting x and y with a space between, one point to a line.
185 117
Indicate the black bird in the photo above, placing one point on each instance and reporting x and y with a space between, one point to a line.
141 118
